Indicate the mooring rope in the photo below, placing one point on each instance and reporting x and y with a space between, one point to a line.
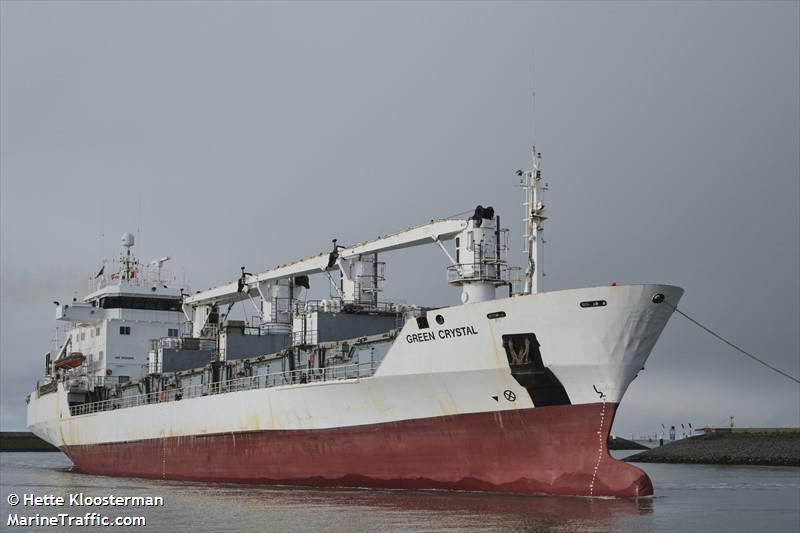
454 215
732 345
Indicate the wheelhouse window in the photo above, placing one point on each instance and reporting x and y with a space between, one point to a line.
138 302
124 330
172 332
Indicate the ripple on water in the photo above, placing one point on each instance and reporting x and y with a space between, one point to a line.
688 498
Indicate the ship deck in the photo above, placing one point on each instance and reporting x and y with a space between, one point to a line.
275 379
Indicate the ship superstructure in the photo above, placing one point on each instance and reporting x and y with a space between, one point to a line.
510 393
128 304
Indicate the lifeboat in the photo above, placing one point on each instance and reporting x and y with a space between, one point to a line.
74 359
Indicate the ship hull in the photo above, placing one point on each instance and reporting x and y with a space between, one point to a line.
553 450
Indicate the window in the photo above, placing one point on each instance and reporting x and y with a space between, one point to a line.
124 330
83 336
172 332
97 331
137 302
100 356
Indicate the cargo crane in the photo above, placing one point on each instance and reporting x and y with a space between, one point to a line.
479 267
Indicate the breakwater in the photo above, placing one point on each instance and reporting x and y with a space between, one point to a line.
23 441
742 447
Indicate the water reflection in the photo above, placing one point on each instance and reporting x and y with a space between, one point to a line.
228 507
689 498
256 508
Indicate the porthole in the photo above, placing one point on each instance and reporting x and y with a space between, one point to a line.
439 319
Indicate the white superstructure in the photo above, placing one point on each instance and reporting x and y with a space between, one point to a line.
129 304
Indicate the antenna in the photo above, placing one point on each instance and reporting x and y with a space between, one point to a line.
533 116
139 219
102 232
533 90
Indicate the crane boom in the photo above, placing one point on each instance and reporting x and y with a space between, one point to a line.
433 231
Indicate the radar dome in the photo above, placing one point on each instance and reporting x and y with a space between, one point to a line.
127 240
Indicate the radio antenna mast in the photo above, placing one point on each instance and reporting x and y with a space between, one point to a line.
533 204
534 221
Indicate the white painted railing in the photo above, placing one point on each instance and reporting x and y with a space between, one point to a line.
294 377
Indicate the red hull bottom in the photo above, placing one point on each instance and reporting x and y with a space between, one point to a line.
546 450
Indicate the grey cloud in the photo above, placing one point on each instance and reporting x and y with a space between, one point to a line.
255 132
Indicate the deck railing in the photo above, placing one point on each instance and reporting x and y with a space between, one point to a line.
276 379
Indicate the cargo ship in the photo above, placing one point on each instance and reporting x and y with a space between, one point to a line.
512 390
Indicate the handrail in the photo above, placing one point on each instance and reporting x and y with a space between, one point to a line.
489 270
275 379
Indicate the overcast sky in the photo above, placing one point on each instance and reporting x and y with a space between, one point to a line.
254 133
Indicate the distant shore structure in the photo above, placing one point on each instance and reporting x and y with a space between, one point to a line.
23 441
730 446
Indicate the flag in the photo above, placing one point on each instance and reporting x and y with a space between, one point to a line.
100 273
